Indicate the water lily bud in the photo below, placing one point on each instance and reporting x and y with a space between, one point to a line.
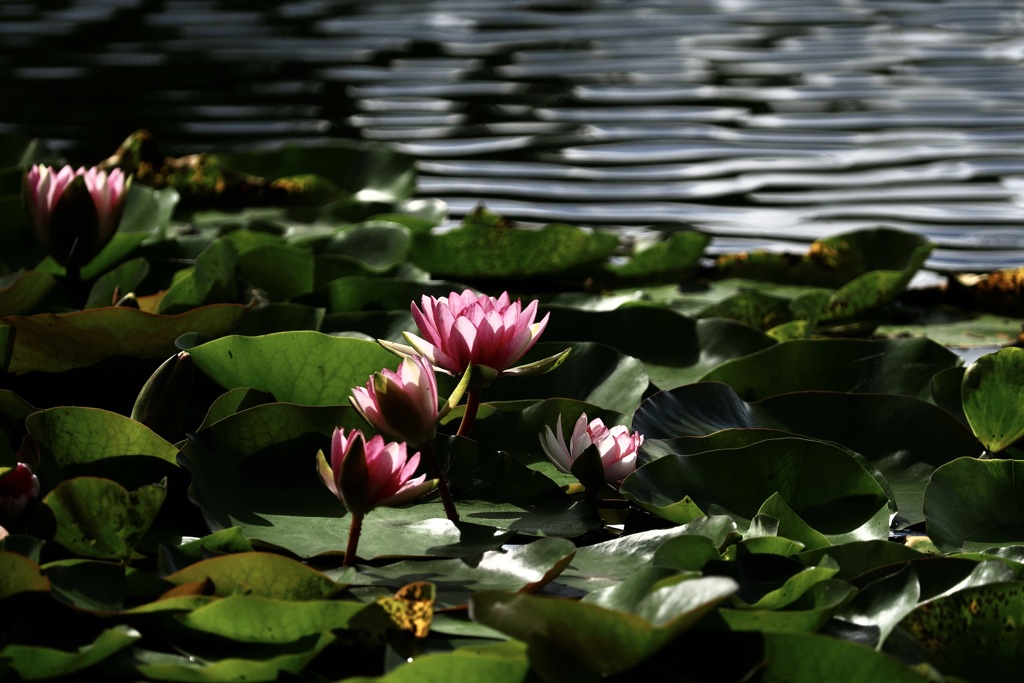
163 401
74 212
17 487
404 404
615 448
367 474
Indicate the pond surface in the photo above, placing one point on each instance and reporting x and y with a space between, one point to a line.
762 122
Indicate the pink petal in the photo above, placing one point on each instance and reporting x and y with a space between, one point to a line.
555 447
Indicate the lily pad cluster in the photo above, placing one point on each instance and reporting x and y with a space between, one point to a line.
824 489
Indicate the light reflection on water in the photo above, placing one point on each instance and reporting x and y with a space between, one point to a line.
762 123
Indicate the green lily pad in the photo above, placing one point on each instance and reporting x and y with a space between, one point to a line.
681 351
54 343
377 247
33 662
610 562
759 310
99 518
593 373
19 574
821 482
673 256
18 296
123 280
258 619
563 635
955 327
266 665
973 633
903 437
973 504
101 586
303 367
282 271
882 603
992 398
806 615
258 574
78 440
504 663
527 568
234 401
832 261
370 172
211 280
870 291
498 251
897 366
858 557
808 657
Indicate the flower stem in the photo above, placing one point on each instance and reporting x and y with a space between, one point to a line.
442 483
74 286
469 417
353 540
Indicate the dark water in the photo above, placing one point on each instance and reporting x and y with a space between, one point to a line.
762 122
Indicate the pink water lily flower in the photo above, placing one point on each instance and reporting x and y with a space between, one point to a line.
17 487
403 404
616 447
475 328
74 211
367 474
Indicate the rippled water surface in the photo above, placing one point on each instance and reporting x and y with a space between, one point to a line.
761 122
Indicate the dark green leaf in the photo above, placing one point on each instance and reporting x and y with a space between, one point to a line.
898 366
55 343
32 662
974 504
18 296
973 633
211 280
283 272
822 483
593 373
99 518
121 280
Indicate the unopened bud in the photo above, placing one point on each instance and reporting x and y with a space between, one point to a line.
163 401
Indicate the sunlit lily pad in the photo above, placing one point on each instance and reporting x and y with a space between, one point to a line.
304 367
993 398
266 575
495 251
563 635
